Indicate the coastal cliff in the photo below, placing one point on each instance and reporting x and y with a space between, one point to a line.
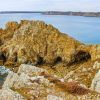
34 40
39 55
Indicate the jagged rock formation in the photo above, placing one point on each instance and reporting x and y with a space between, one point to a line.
96 82
36 42
7 34
8 94
68 67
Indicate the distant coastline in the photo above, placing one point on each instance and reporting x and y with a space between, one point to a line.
10 12
68 13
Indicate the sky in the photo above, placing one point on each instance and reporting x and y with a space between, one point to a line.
50 5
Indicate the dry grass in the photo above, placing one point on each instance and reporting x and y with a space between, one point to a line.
24 92
70 87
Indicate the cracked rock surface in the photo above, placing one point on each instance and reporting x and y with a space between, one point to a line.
41 85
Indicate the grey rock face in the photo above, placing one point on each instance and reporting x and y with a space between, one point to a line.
29 69
96 82
8 94
4 70
53 97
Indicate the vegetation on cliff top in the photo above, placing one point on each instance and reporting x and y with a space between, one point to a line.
38 43
42 45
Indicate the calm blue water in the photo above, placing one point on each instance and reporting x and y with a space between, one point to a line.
84 29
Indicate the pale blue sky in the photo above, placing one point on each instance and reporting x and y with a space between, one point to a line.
45 5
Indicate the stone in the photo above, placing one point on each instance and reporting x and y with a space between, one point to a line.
96 65
30 70
16 80
11 78
49 64
96 82
46 42
8 94
4 70
41 85
53 97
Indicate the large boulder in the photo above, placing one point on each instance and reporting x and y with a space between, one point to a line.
30 70
34 42
22 77
33 83
8 94
96 82
37 43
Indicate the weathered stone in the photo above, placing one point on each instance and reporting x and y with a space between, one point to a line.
37 43
30 70
34 43
96 82
15 80
96 65
8 94
11 78
31 83
53 97
46 42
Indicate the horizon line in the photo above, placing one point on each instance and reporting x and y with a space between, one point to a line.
46 11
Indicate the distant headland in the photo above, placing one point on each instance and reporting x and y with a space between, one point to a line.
5 12
68 13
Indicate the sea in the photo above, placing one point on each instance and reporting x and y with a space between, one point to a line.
84 29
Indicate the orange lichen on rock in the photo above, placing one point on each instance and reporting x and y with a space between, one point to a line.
38 40
32 40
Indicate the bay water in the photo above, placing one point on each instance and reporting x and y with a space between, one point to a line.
84 29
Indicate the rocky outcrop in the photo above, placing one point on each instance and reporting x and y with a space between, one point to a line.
7 34
84 74
65 67
95 85
96 82
30 70
36 42
22 77
8 94
53 97
31 83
